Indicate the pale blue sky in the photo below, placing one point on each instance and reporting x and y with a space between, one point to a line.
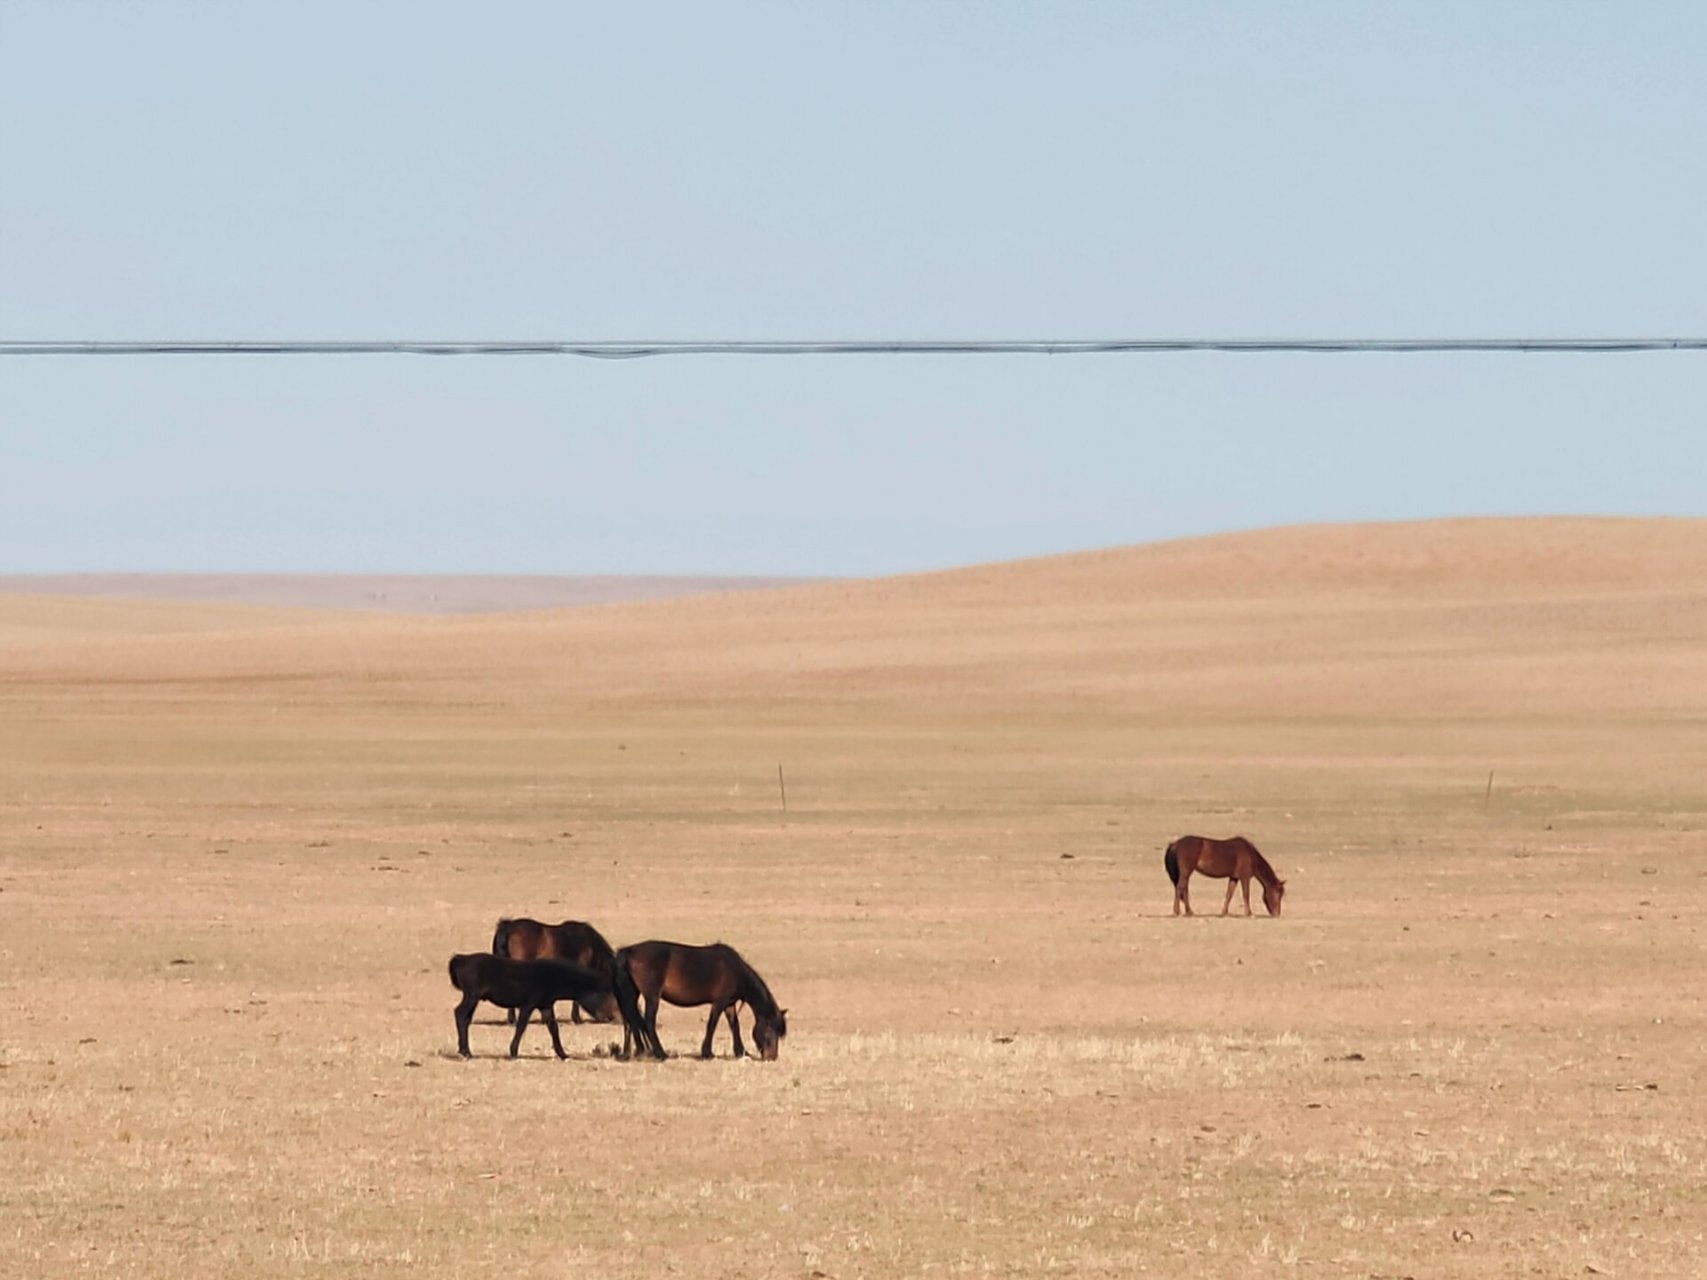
800 171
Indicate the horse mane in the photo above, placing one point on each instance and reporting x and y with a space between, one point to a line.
600 944
753 988
1259 864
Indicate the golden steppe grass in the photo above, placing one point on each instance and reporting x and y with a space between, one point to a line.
237 847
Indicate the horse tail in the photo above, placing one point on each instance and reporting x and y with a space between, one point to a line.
628 1001
501 938
1170 860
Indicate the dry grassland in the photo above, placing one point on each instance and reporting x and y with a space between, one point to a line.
237 847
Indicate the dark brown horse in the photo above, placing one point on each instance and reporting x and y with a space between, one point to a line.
686 976
523 985
574 940
1237 859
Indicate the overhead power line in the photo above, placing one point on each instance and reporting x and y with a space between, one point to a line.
613 350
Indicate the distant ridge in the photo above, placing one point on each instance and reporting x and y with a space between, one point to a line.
1554 616
384 593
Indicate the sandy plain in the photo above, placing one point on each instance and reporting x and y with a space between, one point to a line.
237 846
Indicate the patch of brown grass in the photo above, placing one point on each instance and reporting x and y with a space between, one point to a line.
237 848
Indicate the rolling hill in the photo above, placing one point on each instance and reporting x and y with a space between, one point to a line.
1569 615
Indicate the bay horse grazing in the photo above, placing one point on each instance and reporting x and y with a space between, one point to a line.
574 940
1237 859
522 985
687 976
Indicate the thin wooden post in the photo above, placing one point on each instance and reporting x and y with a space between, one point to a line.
782 787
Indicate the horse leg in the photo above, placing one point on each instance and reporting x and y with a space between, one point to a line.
717 1008
549 1013
627 1039
656 1049
575 1012
1183 890
465 1015
522 1016
633 1041
1232 883
1247 895
735 1029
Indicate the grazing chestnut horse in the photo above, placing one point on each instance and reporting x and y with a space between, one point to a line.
686 976
574 940
1237 859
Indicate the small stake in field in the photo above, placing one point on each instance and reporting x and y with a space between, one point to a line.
1488 795
782 788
